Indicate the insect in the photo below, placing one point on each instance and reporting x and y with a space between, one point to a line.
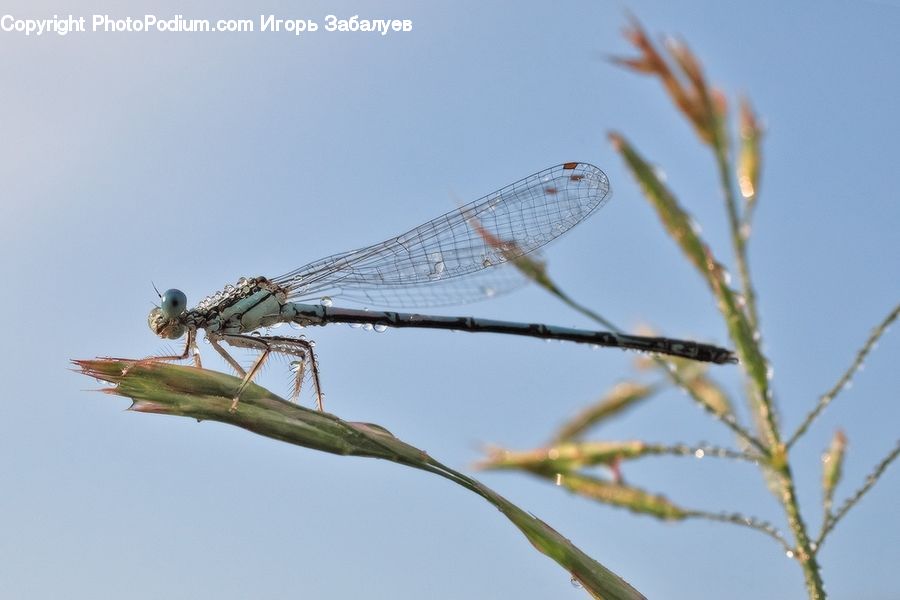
464 255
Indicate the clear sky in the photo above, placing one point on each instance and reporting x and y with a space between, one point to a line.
191 160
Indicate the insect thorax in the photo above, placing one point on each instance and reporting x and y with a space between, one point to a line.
212 310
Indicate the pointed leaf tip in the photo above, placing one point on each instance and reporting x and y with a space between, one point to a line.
832 463
750 154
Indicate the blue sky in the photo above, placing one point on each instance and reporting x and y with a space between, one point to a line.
192 160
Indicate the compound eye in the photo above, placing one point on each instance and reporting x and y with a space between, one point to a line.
173 303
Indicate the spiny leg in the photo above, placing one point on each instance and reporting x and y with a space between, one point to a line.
196 348
298 367
314 374
190 343
251 373
214 342
302 349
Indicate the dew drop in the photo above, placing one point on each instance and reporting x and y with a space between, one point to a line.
699 453
255 334
770 372
295 325
559 479
789 554
367 326
326 301
379 327
355 325
296 366
660 174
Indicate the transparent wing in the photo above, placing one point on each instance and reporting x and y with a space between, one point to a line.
480 285
464 255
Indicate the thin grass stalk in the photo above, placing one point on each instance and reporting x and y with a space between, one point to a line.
832 519
845 378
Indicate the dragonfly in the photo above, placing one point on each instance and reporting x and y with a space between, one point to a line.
465 255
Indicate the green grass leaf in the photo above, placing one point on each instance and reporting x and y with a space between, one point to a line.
680 227
618 399
160 388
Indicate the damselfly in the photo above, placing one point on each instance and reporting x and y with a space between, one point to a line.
465 255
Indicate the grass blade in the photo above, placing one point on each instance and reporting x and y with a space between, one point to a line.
161 388
680 227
